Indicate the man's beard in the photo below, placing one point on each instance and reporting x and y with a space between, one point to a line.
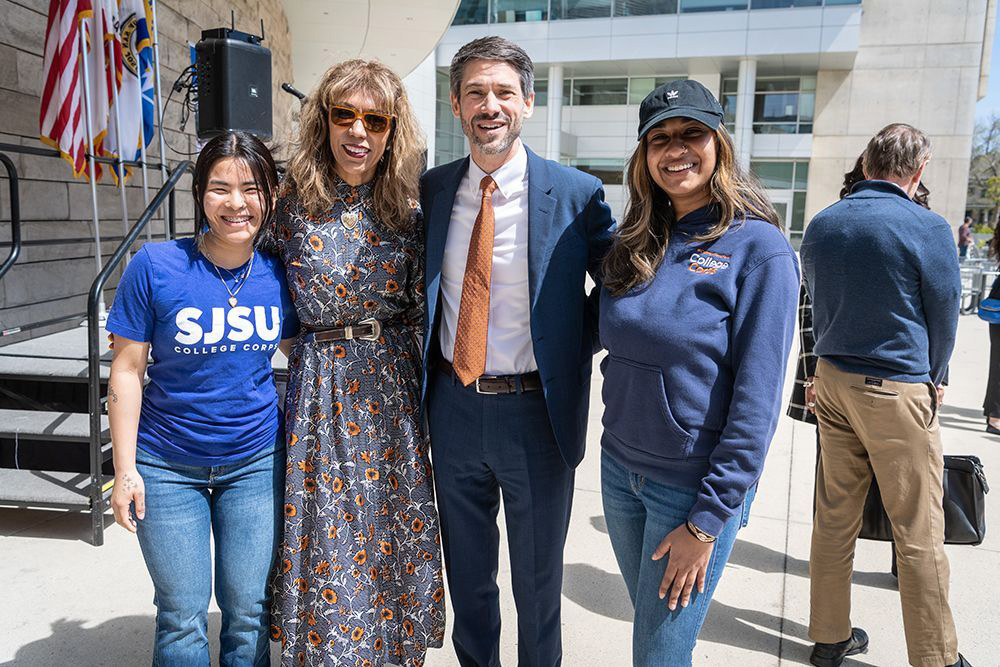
496 146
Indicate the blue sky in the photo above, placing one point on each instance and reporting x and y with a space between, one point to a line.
991 103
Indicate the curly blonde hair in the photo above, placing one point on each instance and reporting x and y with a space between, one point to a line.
310 175
641 239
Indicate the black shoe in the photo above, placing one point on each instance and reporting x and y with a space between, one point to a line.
832 655
962 662
992 430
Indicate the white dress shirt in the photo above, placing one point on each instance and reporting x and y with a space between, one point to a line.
508 339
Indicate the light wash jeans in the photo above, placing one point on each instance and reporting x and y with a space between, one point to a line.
640 513
239 505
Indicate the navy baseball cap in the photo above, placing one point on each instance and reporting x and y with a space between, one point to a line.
679 99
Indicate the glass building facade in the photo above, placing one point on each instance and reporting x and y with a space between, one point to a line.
472 12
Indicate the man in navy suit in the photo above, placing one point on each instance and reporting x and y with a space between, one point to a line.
511 334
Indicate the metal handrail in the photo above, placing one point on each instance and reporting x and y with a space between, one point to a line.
15 216
165 193
15 202
49 152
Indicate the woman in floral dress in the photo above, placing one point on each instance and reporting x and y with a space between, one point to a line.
358 577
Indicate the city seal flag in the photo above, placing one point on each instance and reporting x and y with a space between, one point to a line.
134 75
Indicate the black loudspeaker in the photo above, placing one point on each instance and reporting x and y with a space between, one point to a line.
234 84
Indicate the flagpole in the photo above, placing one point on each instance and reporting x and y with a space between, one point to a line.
119 167
155 35
142 156
90 157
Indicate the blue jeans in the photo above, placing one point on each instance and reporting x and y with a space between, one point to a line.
240 505
640 513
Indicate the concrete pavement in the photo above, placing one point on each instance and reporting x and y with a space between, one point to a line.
65 603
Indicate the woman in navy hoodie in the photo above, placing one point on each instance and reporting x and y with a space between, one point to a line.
697 314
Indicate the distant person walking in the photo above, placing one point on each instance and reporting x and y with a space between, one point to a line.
991 403
965 237
885 293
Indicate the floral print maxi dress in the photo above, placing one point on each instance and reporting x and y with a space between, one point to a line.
358 578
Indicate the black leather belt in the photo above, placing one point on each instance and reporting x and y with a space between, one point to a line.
499 384
369 329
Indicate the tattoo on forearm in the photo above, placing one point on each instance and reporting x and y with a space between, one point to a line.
128 483
112 394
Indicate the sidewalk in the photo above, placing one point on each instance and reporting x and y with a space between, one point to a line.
65 603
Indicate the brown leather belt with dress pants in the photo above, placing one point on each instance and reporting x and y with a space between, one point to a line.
499 384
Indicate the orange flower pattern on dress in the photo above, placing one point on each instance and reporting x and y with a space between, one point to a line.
359 579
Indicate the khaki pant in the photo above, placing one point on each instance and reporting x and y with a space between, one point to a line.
890 428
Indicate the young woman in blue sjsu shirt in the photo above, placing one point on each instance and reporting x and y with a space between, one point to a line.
201 450
697 314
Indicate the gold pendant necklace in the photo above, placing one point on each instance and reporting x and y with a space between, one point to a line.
349 219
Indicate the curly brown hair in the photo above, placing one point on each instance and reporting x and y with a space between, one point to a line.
641 239
311 172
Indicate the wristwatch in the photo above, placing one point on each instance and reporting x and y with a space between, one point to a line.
700 534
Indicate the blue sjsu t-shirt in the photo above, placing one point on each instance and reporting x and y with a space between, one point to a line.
211 398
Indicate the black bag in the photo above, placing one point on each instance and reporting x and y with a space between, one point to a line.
965 489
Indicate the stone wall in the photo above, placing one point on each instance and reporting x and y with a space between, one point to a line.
57 264
920 65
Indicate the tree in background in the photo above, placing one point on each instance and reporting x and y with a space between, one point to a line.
984 172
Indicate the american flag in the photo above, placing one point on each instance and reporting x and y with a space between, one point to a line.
61 119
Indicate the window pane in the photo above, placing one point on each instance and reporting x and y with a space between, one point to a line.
801 175
639 87
581 9
775 108
805 128
729 109
711 5
730 85
471 11
798 222
609 170
515 11
843 2
588 92
644 7
541 92
777 85
807 83
807 102
775 128
773 175
773 4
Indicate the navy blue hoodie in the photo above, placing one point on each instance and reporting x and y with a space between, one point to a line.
694 375
883 275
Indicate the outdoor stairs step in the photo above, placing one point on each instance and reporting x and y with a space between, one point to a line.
50 426
47 369
38 488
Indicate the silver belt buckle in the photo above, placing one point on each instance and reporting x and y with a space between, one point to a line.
376 329
483 391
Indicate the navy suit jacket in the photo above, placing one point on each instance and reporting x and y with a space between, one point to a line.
569 232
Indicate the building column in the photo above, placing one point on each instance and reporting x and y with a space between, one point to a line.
745 86
553 132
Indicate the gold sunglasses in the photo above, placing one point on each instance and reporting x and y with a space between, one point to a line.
372 120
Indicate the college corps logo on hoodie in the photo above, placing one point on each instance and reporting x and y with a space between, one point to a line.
708 262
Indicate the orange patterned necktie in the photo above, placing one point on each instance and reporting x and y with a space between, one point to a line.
474 311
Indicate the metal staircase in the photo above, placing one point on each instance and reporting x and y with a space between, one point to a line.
55 442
